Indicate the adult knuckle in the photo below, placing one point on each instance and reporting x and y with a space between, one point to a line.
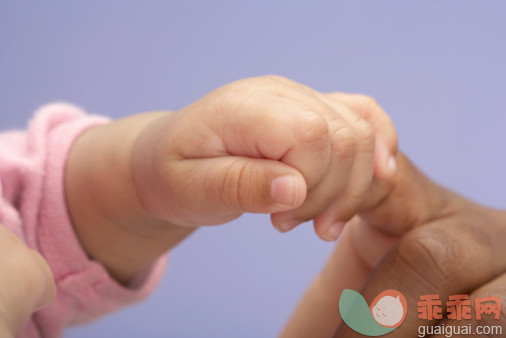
434 255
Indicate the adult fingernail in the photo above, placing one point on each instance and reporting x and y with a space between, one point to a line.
334 231
392 164
284 189
287 226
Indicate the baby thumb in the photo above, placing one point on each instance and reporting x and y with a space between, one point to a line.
242 184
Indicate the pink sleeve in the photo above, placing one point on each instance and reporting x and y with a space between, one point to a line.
32 205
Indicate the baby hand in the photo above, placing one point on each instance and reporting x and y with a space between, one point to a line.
264 145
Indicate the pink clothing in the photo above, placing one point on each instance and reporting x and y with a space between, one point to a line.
32 205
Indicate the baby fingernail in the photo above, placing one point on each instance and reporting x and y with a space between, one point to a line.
284 189
287 226
334 231
392 164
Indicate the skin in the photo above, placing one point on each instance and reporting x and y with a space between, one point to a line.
26 283
137 187
415 237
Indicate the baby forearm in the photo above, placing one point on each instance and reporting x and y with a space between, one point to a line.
109 220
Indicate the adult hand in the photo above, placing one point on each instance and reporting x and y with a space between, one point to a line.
26 283
461 252
408 213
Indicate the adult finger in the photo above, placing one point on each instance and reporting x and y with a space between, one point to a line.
358 251
26 282
450 256
482 313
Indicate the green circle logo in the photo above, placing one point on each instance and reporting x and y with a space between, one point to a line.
386 313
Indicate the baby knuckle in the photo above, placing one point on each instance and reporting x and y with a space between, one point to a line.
332 95
229 189
370 102
313 129
365 131
311 209
229 100
244 85
249 182
345 142
278 85
240 186
276 78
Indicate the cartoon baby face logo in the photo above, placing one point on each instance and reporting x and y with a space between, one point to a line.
389 308
387 312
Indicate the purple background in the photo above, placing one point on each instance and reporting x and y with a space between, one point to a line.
438 68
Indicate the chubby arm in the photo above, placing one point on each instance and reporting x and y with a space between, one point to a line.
111 223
